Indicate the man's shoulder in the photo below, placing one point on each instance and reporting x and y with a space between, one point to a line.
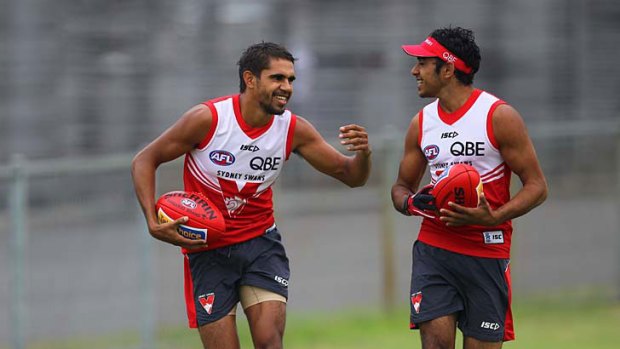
219 99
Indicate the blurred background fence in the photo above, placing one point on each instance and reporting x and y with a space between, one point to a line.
85 84
79 262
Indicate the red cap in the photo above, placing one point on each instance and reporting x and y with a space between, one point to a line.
431 48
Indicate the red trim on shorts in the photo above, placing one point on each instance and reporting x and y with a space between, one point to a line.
250 131
214 119
189 294
509 331
490 132
290 134
451 118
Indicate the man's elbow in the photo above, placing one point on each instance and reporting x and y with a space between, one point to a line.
357 180
135 163
139 162
543 193
357 183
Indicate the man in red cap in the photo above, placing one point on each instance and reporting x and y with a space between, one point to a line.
460 271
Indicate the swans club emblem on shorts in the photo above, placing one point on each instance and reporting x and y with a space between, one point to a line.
416 299
206 300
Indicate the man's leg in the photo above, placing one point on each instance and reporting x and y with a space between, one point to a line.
439 333
267 320
221 334
473 343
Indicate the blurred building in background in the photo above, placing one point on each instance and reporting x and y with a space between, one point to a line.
91 79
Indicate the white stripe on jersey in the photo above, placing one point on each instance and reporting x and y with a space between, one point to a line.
196 173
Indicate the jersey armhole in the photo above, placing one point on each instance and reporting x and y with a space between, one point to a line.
290 135
490 132
214 118
420 128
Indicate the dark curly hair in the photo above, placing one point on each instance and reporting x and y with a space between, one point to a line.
462 43
256 59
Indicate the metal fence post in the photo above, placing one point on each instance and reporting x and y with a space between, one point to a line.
147 288
617 288
388 165
18 204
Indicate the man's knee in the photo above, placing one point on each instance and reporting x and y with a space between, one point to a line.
439 333
220 334
267 321
267 340
434 341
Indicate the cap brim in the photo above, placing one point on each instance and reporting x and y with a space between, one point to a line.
417 51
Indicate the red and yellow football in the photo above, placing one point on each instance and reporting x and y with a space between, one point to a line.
205 219
460 184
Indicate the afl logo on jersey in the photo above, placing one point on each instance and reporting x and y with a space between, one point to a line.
431 151
222 157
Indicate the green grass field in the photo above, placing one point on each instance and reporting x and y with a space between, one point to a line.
541 324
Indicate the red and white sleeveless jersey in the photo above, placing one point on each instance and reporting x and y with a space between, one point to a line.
236 165
466 136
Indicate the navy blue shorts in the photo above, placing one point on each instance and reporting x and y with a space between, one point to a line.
213 277
476 289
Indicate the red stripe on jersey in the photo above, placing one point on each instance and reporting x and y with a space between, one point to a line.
420 133
189 294
451 118
252 132
190 164
493 172
490 132
290 135
497 191
211 132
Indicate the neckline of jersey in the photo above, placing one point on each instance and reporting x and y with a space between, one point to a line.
451 118
250 131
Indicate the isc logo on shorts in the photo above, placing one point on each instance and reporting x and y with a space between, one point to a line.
490 325
281 280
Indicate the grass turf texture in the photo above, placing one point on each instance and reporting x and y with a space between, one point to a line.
543 324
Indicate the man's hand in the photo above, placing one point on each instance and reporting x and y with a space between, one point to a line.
168 232
355 138
460 215
421 203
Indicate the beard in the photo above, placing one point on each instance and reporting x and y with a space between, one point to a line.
266 103
270 109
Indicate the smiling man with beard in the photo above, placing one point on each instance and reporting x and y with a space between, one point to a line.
250 135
